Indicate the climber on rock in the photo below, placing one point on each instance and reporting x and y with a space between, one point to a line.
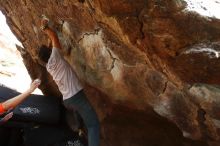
68 83
13 102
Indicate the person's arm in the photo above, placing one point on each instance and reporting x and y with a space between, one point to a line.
50 33
13 102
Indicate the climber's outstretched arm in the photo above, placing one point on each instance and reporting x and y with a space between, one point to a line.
50 33
53 37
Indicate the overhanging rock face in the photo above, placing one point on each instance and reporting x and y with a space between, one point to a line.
139 61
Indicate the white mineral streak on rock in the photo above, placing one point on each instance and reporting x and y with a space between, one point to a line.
100 55
212 53
66 28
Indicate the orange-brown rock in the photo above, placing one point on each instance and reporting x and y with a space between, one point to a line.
139 61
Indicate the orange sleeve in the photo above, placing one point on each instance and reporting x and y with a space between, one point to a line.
2 110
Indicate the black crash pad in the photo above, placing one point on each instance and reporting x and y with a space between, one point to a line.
36 108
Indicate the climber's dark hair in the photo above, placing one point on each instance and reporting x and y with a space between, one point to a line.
44 53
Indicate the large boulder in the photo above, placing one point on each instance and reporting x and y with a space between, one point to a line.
138 61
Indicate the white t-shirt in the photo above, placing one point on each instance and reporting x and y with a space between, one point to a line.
63 75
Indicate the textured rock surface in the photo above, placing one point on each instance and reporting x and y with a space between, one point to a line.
138 60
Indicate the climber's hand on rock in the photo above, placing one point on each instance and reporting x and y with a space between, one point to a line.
34 85
44 22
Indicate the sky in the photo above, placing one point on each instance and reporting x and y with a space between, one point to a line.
12 70
210 8
5 30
